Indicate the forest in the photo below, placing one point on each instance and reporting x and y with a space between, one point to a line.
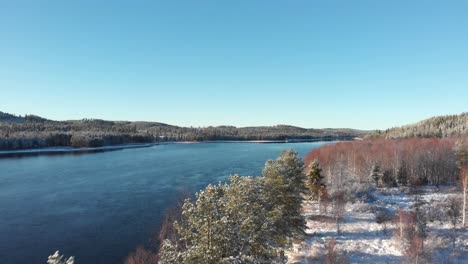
438 126
31 131
393 162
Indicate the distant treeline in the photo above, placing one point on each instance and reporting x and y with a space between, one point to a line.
439 126
17 132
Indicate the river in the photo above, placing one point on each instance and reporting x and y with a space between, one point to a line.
98 207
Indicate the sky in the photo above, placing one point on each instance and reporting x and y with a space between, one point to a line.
316 64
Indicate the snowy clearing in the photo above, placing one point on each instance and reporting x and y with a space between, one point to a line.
362 240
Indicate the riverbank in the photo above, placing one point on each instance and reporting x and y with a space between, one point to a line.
69 150
85 150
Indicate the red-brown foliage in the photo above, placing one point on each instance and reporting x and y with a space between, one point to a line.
421 161
412 244
405 221
142 256
332 256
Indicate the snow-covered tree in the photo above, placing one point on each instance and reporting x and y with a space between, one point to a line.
56 258
168 253
376 175
248 220
227 223
284 187
253 231
205 226
314 181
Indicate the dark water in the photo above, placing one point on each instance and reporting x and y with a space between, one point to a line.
98 207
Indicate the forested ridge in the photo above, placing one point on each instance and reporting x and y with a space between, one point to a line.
438 126
30 131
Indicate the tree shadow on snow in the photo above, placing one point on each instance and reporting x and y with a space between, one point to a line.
361 257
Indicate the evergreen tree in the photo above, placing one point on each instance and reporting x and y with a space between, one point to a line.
249 220
421 228
56 258
227 223
376 175
314 180
252 232
402 175
168 253
284 187
204 227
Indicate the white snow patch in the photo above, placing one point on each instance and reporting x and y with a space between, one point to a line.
362 240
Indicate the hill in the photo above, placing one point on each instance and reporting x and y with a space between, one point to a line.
32 131
438 126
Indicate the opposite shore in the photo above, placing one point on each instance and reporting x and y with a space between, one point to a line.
85 150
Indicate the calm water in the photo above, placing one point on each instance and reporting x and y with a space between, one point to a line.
98 207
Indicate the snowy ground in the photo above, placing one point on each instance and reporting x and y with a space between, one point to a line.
362 240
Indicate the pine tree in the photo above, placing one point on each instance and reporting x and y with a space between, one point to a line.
402 175
420 229
253 234
314 180
227 223
169 254
56 258
284 187
376 175
249 220
205 226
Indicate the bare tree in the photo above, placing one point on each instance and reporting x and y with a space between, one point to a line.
333 256
339 203
464 184
142 256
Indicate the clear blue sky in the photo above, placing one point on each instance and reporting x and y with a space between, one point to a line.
361 64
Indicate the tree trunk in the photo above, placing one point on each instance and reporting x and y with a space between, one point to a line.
337 225
465 185
319 202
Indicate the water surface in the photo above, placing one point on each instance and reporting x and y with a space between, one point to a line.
100 206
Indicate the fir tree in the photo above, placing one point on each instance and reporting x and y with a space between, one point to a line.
284 187
376 175
402 175
314 181
56 258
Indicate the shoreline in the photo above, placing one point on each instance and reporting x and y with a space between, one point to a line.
86 150
70 150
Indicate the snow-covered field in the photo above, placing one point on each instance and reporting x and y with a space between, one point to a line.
362 240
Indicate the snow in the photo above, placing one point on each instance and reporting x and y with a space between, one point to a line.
362 240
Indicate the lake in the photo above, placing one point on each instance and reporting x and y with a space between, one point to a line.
98 207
